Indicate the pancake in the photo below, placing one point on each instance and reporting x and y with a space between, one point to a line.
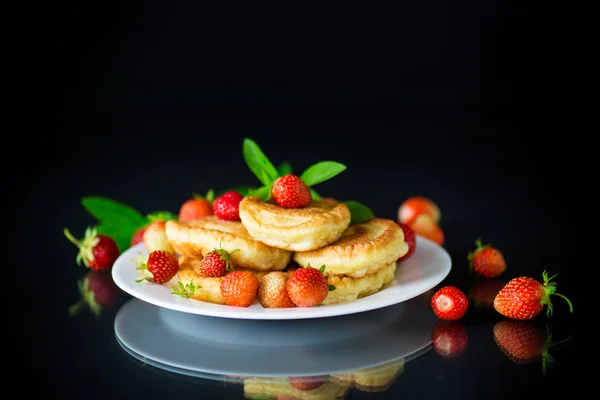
294 229
373 379
349 289
361 250
198 237
260 388
210 287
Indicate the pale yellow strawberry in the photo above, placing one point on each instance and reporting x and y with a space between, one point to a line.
155 238
272 292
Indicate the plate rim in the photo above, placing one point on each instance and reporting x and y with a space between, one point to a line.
223 311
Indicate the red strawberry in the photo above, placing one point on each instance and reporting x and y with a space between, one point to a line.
239 288
155 237
483 292
196 207
272 292
227 206
486 260
161 265
307 287
97 290
216 262
414 206
425 225
306 383
410 238
449 303
524 297
138 236
449 338
97 251
290 191
522 341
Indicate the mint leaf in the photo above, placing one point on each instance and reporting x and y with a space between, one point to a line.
284 168
358 212
258 163
112 212
121 233
161 216
321 172
264 192
315 195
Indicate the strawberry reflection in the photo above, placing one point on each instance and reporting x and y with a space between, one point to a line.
98 291
525 342
483 291
449 338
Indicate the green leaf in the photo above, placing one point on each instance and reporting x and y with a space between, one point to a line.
264 192
331 288
121 233
284 168
161 216
243 190
359 212
210 195
321 171
112 211
315 195
258 163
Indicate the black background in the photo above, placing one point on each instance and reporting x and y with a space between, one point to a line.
148 102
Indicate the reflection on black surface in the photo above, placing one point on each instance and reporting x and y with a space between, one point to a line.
98 291
449 338
483 291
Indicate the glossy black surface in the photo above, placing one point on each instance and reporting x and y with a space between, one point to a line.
147 103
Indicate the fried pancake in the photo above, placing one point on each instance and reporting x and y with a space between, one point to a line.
361 250
260 388
209 288
196 238
349 289
294 229
373 379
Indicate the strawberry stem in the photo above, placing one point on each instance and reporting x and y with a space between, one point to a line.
550 290
72 238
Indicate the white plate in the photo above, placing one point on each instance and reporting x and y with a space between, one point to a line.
196 345
427 267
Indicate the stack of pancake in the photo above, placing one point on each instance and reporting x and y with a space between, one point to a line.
359 259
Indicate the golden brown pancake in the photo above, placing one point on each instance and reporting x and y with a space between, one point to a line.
361 250
196 238
373 379
294 229
349 289
209 287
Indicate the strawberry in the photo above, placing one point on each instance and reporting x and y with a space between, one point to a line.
483 292
486 260
449 303
289 191
410 238
97 251
426 226
216 262
307 287
155 237
414 206
97 290
449 338
138 236
227 206
522 341
160 266
306 383
524 297
272 292
196 207
239 288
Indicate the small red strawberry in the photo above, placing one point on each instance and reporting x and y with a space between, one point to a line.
197 207
272 292
227 206
524 297
410 238
483 292
160 266
216 262
486 260
449 303
239 288
306 383
308 287
138 236
98 291
97 251
290 191
449 338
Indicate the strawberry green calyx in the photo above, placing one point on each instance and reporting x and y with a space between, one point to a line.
141 264
478 247
187 290
86 246
550 290
88 298
225 255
